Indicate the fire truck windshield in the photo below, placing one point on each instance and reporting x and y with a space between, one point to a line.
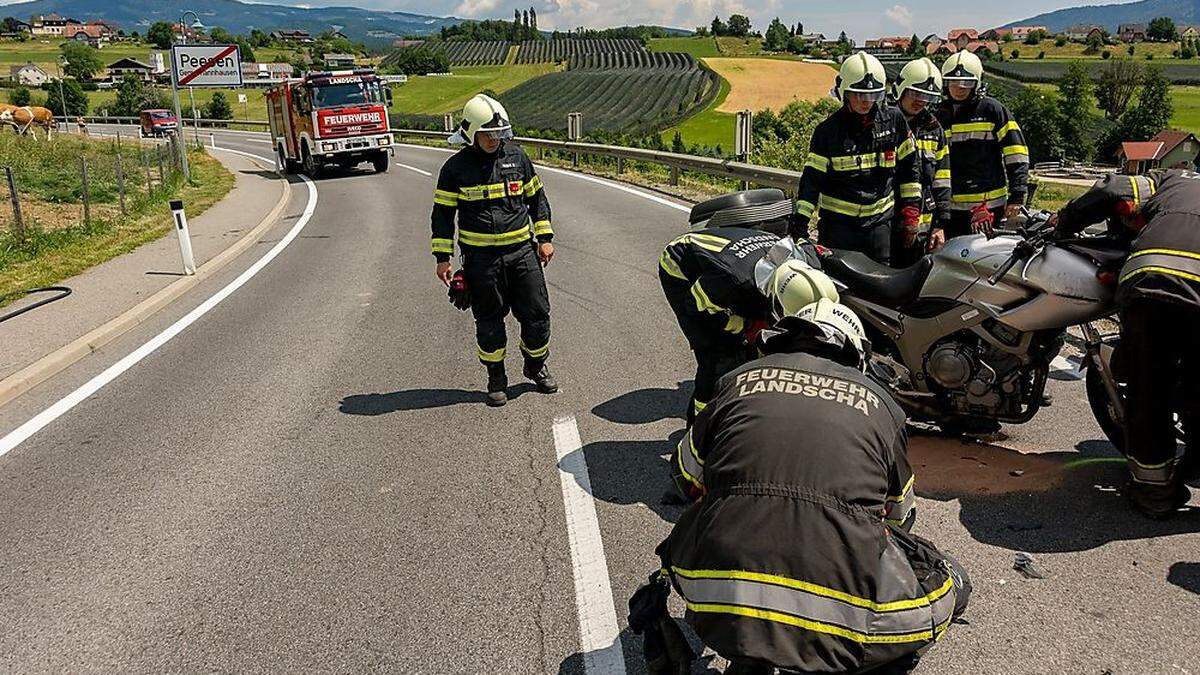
348 93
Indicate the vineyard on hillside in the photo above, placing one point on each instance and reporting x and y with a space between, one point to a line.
543 51
464 53
623 93
1051 71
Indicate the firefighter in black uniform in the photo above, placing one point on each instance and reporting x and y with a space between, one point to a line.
862 164
708 278
919 87
1159 296
504 236
836 583
988 157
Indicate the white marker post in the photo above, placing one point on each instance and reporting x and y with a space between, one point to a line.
185 237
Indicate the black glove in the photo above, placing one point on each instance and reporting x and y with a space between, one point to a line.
458 293
665 648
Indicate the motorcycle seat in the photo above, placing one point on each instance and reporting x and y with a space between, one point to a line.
876 282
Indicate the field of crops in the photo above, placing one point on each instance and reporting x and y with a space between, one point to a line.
698 47
665 60
1178 72
661 91
542 51
466 53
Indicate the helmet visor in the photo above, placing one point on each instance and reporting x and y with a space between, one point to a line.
866 96
923 96
497 134
968 82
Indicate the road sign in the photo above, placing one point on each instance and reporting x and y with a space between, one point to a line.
206 66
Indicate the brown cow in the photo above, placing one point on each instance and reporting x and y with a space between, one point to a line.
24 118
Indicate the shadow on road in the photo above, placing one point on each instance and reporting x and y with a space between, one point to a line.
644 406
419 399
1185 575
261 173
634 472
1049 502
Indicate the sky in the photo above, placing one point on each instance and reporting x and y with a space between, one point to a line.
860 19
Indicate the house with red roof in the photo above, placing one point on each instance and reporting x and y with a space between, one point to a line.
961 37
1168 149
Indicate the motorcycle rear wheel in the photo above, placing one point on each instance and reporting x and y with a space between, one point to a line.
1105 412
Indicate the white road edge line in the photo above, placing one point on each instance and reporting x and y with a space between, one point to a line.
423 172
599 638
65 404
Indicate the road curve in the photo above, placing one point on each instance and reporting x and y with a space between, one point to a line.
306 477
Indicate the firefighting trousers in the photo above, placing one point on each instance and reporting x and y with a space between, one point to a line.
502 282
1161 365
717 352
873 241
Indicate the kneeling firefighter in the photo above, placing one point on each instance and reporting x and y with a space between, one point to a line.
707 276
1159 300
835 582
504 236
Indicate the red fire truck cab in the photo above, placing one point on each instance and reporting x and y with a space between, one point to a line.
330 118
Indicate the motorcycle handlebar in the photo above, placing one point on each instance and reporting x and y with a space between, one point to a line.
1008 265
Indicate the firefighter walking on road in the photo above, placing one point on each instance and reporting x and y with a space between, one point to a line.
504 236
989 161
918 89
803 441
1159 297
861 165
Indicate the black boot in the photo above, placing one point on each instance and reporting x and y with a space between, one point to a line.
1157 501
536 370
497 385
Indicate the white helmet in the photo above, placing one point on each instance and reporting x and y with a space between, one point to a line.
921 77
963 67
838 326
795 285
861 73
481 113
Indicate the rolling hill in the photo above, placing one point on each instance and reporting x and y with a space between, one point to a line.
369 26
1109 16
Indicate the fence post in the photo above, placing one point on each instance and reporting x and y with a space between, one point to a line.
161 175
83 180
120 182
620 165
16 203
674 175
146 166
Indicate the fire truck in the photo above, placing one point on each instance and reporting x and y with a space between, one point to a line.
330 118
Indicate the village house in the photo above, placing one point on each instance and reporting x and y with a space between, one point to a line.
1083 33
338 60
265 74
296 36
127 66
1131 32
961 37
1168 149
29 75
51 25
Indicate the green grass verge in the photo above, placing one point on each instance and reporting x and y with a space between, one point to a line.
52 251
699 47
735 46
1053 196
708 127
431 95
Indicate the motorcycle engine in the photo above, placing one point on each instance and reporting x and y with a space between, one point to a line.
976 377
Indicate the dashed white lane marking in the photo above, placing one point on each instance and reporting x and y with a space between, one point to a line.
423 172
599 637
1067 369
64 405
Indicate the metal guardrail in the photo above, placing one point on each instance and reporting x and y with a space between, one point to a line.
784 179
187 122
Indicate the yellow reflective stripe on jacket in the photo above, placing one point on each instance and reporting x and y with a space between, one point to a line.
442 245
804 208
503 239
910 190
493 191
926 219
735 324
668 265
980 196
857 162
687 459
445 198
906 148
707 242
1014 150
941 174
817 162
898 507
846 208
1011 126
703 302
491 357
531 188
970 127
542 227
1174 262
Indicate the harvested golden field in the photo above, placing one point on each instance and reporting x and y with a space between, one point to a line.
758 84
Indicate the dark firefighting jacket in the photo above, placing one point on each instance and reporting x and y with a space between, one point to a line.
1165 260
933 157
857 169
499 200
989 161
798 553
716 266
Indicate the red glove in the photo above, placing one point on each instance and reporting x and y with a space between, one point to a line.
460 297
753 329
910 224
982 220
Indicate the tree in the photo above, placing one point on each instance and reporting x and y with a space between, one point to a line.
161 34
1075 105
1060 41
1188 52
133 96
1016 54
718 27
20 96
219 34
777 36
76 100
1119 79
1094 44
1035 37
739 25
1154 107
417 61
915 48
260 39
82 61
1039 118
1131 50
218 107
677 145
1162 29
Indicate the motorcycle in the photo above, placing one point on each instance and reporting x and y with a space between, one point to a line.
969 333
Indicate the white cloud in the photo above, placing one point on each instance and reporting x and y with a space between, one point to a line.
475 8
901 15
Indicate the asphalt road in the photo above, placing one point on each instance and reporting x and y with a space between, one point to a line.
306 477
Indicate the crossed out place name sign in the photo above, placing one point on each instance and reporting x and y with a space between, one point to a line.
206 65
